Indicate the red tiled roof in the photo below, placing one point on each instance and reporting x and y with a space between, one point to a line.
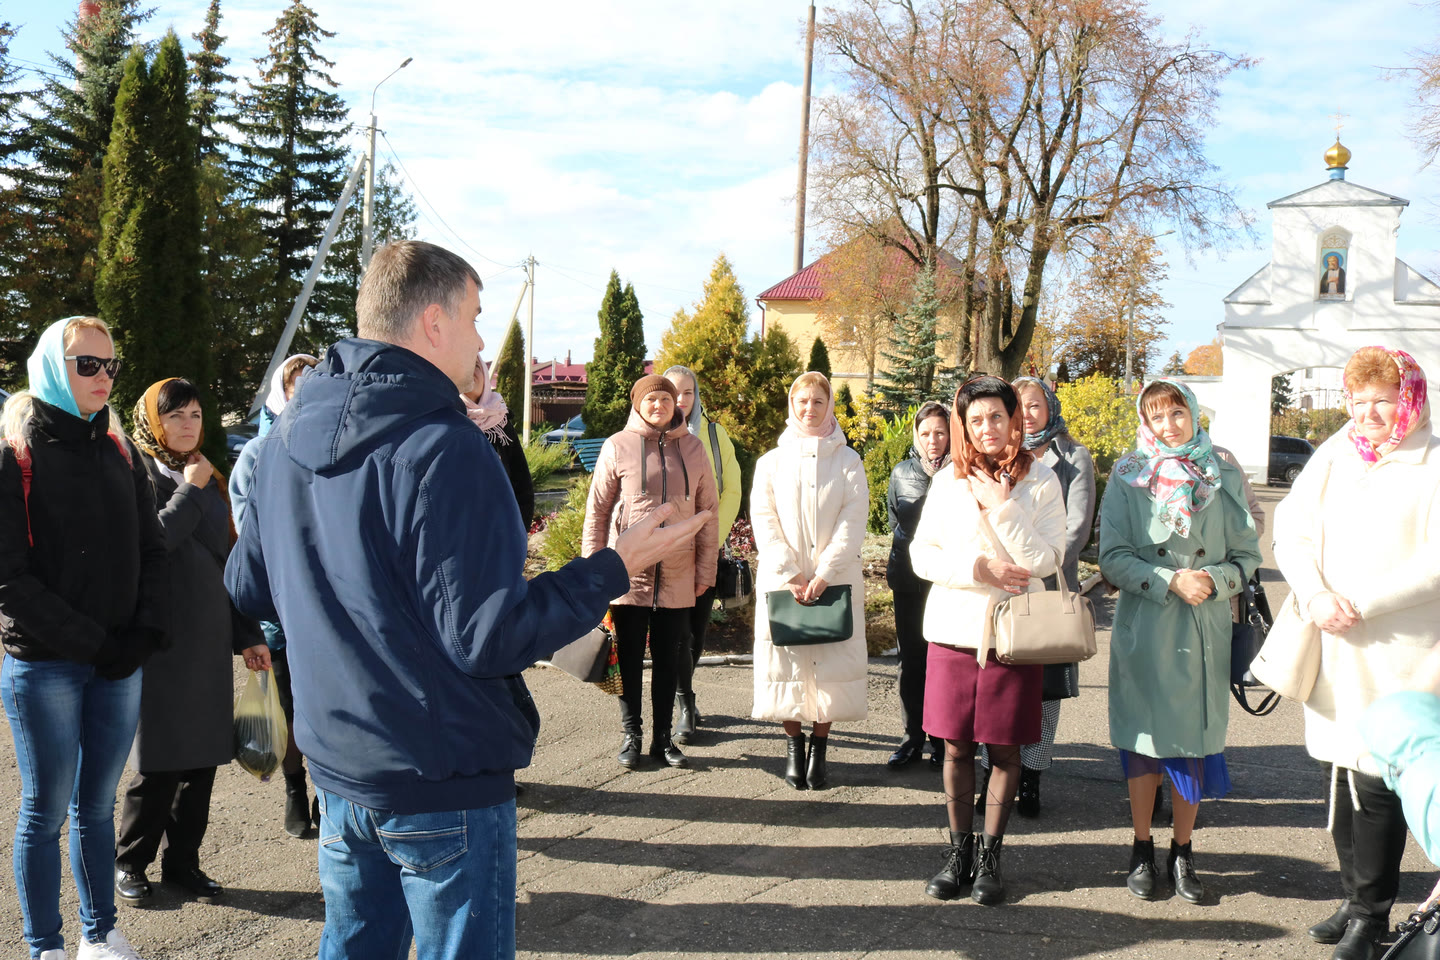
552 371
804 285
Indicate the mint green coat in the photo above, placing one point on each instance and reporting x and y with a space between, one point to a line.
1169 661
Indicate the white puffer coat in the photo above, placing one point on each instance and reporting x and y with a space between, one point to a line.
808 507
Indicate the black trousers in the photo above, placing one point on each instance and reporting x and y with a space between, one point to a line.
910 675
699 623
1369 842
170 805
666 628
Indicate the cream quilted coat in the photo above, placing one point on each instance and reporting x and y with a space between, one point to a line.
808 507
1372 536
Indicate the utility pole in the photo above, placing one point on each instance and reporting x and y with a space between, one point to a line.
804 144
529 344
367 225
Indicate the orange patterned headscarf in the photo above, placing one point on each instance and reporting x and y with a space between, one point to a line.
1014 461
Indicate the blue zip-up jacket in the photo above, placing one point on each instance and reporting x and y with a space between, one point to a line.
371 535
1402 731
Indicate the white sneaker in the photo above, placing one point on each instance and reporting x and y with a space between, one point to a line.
52 955
115 947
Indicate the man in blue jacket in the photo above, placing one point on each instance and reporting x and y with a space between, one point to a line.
377 535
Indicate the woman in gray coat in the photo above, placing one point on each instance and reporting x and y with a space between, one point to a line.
1048 438
186 695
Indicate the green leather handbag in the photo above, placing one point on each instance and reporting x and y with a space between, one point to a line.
828 620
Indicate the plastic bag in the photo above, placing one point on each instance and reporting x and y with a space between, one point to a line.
260 729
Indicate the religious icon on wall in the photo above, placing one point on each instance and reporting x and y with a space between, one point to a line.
1332 274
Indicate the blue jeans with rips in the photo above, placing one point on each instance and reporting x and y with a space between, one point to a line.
447 879
72 731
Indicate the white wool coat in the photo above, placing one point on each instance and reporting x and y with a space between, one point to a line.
1030 525
1372 535
808 508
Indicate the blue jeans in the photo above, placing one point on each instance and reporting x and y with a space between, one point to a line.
448 878
72 732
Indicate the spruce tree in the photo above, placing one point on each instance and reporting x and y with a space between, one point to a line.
394 217
150 284
915 372
1175 366
58 192
292 157
607 399
212 85
510 369
12 351
819 358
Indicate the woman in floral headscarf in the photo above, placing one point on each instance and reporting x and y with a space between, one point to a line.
1177 539
1355 539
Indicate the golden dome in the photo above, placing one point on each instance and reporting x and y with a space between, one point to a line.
1337 156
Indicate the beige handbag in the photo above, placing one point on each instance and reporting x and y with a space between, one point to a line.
1289 660
1047 626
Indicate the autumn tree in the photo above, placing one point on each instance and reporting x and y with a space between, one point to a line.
865 288
1100 416
1023 128
1205 360
1116 290
819 358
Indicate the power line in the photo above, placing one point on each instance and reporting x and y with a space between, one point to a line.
415 184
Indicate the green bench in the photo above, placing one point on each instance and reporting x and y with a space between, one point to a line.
588 451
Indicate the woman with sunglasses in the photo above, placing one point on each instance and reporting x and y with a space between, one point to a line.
186 718
83 602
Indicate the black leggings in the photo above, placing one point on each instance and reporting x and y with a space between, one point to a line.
666 629
699 623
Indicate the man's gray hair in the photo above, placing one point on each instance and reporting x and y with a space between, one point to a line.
403 279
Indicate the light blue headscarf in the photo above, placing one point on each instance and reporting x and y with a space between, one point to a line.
48 379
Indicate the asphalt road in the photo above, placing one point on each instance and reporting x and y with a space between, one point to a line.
725 860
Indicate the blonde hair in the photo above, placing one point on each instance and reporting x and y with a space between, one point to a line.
810 379
22 403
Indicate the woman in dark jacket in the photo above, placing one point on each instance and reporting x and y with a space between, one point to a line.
83 601
909 484
186 720
489 413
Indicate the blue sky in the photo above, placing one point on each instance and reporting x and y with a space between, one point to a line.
649 136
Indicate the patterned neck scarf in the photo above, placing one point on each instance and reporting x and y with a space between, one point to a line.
1054 426
1181 480
1410 408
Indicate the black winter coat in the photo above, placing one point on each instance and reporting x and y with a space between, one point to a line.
512 457
909 485
98 565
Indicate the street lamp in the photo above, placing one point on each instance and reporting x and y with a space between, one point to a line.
1130 318
367 229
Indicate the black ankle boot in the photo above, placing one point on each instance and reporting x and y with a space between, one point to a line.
1332 928
1141 881
629 755
795 761
959 868
989 887
662 748
1029 803
983 786
684 717
1181 867
297 805
1360 939
817 775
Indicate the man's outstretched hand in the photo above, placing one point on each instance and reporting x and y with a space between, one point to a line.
647 543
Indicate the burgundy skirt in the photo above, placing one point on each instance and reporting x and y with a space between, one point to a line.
1000 704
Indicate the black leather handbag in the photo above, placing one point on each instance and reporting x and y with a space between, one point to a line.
1246 638
734 584
1418 938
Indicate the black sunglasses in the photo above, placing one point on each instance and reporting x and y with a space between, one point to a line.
88 366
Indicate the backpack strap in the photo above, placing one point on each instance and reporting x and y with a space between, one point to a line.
719 464
27 474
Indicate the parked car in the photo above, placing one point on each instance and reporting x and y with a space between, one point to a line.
1288 456
239 434
573 429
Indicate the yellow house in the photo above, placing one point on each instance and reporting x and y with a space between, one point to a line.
793 306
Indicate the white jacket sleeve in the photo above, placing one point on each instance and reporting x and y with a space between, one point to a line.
1297 531
1033 541
938 553
843 550
775 557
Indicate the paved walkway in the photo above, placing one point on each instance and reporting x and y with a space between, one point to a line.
725 860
